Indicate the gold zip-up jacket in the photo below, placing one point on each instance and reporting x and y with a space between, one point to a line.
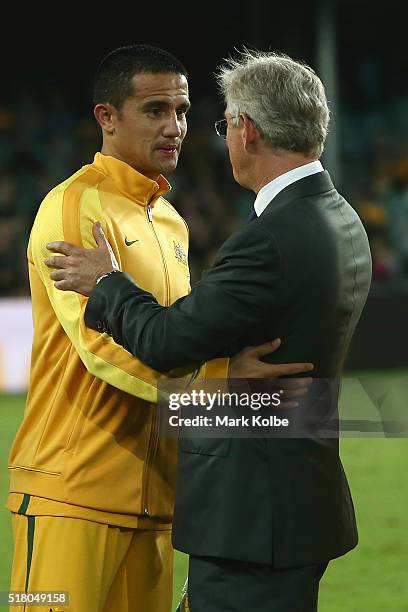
88 446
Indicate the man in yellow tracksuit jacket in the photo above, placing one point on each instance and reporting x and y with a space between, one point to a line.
92 483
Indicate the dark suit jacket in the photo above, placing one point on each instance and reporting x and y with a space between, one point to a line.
301 272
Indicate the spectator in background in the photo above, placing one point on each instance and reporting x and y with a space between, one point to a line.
13 232
373 214
385 264
395 200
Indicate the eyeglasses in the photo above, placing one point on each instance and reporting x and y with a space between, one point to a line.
221 126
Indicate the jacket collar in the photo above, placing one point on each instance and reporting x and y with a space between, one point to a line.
129 181
313 184
271 189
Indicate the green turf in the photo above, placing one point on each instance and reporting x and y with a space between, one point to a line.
372 578
11 410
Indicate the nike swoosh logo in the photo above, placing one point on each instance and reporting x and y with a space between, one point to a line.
130 242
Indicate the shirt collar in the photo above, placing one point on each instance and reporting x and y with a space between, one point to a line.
271 189
131 182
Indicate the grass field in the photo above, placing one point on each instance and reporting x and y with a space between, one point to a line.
372 578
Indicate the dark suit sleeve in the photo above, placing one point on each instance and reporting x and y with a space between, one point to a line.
237 293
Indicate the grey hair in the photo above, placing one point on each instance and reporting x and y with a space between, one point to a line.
284 98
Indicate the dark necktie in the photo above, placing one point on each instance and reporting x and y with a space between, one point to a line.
252 216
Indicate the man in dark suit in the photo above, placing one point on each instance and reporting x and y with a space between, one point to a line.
260 518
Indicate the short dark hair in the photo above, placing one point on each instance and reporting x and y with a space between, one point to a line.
113 78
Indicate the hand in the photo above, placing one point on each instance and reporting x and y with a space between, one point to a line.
80 268
247 364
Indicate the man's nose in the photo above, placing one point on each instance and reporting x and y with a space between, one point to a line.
173 126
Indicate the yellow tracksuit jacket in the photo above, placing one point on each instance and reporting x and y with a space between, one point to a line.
88 446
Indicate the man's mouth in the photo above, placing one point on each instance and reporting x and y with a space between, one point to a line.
169 149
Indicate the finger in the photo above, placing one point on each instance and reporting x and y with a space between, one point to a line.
58 275
63 285
266 348
275 370
57 262
66 248
99 235
284 369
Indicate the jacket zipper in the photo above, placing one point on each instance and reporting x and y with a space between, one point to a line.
166 272
151 452
154 433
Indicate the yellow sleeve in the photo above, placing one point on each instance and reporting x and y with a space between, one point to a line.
216 368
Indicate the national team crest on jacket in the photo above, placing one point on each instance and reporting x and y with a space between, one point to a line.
179 250
180 253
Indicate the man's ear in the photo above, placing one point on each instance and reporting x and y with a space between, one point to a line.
106 114
250 134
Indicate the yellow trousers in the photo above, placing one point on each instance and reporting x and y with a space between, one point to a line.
103 568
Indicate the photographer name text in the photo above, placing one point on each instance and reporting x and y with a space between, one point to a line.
225 421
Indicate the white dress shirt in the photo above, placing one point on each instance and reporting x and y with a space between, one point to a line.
271 189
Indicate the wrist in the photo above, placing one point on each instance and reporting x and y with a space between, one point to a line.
99 278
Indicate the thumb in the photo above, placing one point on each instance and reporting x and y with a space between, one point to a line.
99 235
268 347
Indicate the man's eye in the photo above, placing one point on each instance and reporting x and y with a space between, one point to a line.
155 112
181 112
